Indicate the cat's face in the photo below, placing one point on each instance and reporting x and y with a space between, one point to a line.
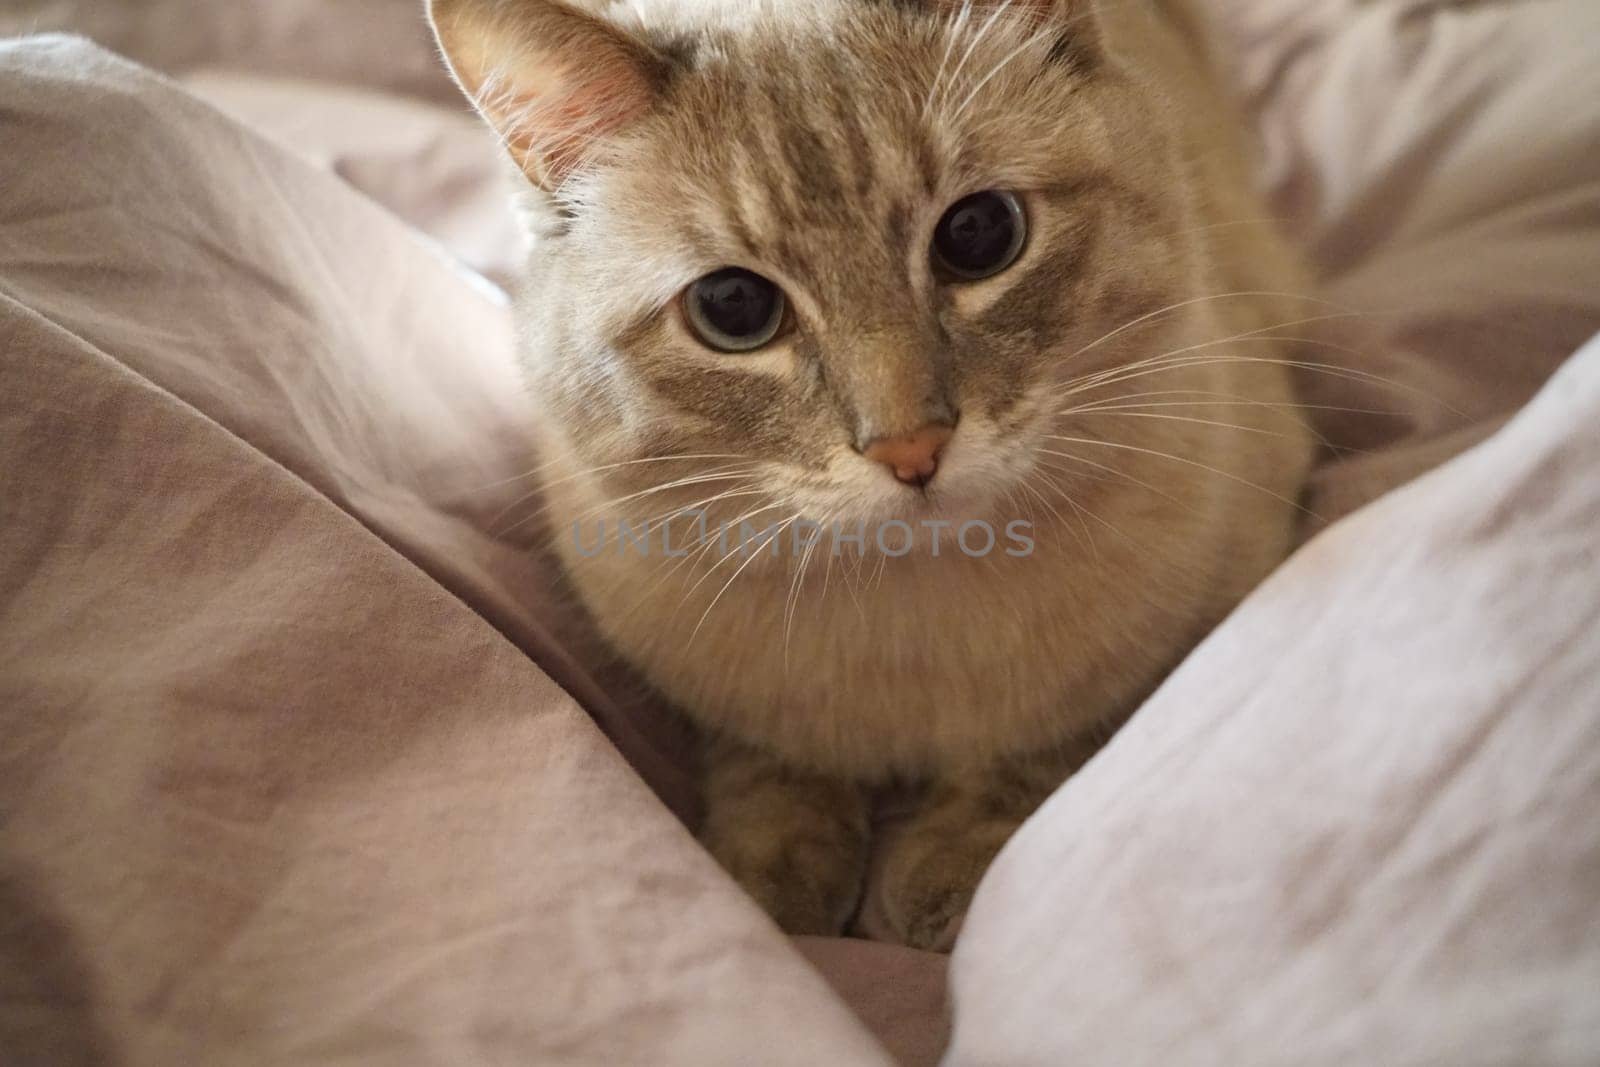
812 234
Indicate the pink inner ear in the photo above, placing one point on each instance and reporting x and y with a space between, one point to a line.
552 131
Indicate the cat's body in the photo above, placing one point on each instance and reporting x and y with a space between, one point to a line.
1090 389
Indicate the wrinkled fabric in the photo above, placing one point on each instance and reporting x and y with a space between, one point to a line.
1376 845
355 87
270 792
292 766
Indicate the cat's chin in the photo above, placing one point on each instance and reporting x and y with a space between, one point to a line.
936 504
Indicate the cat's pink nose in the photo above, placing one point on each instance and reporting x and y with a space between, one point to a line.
914 457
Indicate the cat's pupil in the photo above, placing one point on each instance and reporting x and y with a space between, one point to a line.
734 309
736 302
980 235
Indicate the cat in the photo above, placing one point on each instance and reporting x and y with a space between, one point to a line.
920 265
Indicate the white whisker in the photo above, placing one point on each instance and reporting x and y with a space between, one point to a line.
777 532
1033 39
1097 342
1187 462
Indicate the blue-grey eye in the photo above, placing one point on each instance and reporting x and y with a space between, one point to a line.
980 235
734 310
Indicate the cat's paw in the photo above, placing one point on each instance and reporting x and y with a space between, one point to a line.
926 892
796 841
808 886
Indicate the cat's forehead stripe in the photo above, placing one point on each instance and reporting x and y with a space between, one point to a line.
846 114
802 170
738 224
796 176
811 164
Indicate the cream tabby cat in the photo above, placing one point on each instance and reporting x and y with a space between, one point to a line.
863 261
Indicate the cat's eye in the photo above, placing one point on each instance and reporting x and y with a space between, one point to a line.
980 235
734 310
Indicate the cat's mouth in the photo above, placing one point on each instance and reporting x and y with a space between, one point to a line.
966 489
981 476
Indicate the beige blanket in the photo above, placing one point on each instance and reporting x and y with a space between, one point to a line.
292 762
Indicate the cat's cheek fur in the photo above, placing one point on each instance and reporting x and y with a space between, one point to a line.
901 678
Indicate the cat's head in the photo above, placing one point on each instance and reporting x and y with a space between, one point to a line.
843 251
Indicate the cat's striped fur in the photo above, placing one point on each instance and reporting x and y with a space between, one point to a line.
1097 389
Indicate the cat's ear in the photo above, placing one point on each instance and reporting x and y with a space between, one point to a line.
552 81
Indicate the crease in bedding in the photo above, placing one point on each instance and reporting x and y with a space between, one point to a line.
271 791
